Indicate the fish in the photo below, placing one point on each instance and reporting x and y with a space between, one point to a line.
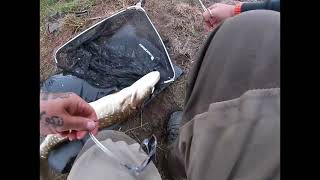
113 108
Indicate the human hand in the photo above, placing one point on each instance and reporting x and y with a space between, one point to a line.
61 112
217 13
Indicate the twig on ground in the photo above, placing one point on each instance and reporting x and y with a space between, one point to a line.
184 49
141 118
94 18
81 13
162 149
136 127
135 136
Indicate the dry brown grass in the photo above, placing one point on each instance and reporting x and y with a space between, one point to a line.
186 27
74 24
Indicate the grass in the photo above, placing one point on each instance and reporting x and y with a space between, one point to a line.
65 6
72 5
75 24
48 42
51 7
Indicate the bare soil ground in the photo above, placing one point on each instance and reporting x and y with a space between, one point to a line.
179 22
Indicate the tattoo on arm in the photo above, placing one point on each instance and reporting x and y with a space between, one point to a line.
54 121
46 96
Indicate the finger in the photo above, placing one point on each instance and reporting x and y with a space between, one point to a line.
213 6
79 123
72 136
213 21
207 26
78 107
206 15
64 133
95 130
207 23
81 134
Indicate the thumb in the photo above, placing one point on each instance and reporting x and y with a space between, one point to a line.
80 124
206 16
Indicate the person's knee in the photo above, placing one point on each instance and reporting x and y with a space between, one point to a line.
256 17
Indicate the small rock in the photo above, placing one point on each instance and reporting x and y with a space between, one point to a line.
54 27
55 16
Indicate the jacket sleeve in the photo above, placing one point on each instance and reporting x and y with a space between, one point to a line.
268 4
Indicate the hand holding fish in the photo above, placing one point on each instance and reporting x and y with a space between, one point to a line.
111 109
66 114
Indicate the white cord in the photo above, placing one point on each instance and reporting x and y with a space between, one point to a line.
203 7
101 146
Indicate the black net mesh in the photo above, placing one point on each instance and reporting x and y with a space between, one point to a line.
111 56
116 52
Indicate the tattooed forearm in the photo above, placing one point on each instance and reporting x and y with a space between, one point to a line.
46 96
54 121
